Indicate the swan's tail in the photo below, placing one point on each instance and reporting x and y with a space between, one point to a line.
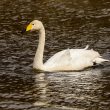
99 60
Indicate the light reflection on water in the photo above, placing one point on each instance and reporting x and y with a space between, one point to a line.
70 90
69 24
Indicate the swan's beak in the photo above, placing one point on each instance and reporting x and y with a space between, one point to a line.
29 27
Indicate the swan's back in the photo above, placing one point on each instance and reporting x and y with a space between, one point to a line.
62 57
73 59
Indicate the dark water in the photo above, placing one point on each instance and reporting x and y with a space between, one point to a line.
69 24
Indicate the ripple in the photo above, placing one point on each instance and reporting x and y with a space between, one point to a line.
69 24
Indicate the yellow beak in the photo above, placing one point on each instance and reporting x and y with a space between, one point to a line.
29 27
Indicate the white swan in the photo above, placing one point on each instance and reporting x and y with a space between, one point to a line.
66 60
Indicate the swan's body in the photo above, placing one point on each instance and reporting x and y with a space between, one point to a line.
66 60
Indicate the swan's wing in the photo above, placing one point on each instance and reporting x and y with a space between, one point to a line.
74 59
71 57
60 58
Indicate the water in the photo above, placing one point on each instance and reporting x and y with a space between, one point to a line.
69 24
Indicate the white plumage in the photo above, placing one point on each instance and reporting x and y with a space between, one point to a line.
66 60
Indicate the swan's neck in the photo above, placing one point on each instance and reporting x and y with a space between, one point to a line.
38 60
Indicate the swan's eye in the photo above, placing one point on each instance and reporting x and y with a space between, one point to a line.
33 24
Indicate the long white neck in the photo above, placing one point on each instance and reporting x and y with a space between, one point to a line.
38 60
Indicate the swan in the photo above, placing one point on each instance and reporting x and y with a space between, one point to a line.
65 60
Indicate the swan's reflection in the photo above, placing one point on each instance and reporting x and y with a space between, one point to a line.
69 89
41 84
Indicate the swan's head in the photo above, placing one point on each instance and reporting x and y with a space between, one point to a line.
34 25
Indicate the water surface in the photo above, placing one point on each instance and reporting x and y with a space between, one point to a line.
69 24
